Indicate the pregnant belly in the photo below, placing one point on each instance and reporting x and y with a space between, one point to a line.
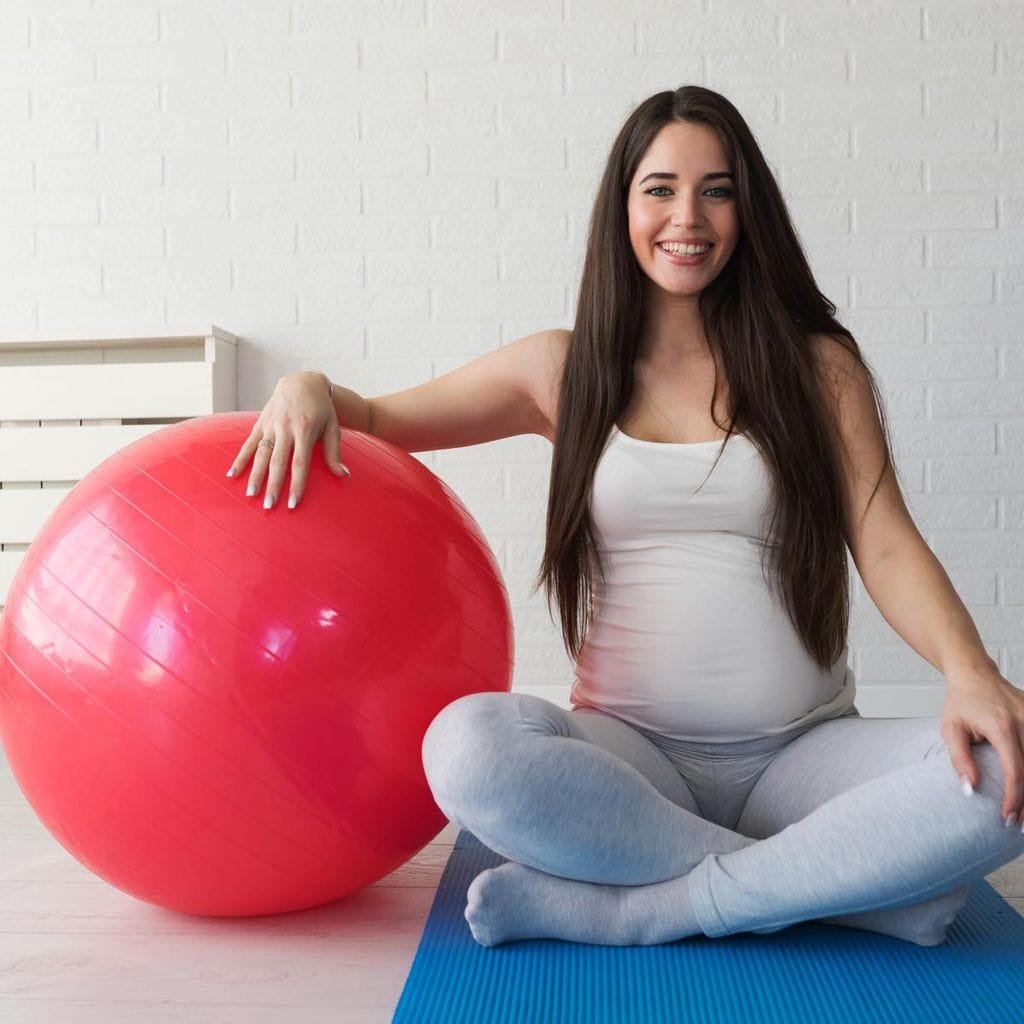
699 662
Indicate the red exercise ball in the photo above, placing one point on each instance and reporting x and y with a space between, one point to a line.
218 708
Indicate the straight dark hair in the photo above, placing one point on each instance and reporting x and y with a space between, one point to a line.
758 316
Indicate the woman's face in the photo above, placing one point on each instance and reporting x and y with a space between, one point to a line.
670 200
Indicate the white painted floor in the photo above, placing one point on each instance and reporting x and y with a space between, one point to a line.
74 950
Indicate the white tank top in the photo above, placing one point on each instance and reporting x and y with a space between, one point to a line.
686 639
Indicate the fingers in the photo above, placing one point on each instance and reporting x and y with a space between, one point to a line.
960 754
300 472
245 453
260 463
1009 745
266 457
1019 754
1011 755
271 463
331 439
289 426
278 469
332 448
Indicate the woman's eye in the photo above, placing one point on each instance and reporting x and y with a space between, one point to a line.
717 188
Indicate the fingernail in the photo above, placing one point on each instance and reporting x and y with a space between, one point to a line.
268 501
292 501
967 787
230 472
250 490
1008 822
344 468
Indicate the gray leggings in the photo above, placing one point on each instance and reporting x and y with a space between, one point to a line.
845 821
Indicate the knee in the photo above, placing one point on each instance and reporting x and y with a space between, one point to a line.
986 757
461 739
991 779
991 784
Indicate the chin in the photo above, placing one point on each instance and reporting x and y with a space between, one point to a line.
694 287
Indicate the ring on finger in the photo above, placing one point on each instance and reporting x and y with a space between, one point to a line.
267 442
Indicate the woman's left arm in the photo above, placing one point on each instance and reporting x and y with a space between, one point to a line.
911 589
915 596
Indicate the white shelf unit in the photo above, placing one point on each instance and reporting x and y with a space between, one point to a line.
67 403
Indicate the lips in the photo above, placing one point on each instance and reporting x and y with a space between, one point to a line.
684 241
685 261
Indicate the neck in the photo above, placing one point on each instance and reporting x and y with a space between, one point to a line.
672 329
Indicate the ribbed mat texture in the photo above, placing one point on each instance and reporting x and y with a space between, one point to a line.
814 973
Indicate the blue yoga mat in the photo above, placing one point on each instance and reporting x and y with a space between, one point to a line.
811 972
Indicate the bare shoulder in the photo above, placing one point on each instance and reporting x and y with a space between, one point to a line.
547 372
833 358
847 383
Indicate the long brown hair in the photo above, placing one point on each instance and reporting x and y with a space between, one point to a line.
758 316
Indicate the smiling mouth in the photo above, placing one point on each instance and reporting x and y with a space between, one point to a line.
683 260
685 248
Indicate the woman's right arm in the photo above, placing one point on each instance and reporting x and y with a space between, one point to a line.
500 394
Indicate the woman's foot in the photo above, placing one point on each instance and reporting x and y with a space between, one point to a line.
514 901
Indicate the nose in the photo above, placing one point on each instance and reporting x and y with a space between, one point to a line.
686 210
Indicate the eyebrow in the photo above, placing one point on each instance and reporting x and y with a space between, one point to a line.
674 177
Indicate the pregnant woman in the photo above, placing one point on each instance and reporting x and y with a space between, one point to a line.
718 446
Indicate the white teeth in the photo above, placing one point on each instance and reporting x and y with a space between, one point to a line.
683 250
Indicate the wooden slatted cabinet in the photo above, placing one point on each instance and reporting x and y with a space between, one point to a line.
66 403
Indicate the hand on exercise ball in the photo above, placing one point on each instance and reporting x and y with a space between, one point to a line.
300 412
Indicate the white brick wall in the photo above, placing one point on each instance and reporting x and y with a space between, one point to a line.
384 189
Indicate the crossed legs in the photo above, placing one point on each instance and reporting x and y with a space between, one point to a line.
858 822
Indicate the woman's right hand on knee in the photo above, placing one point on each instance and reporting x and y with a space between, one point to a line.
300 412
